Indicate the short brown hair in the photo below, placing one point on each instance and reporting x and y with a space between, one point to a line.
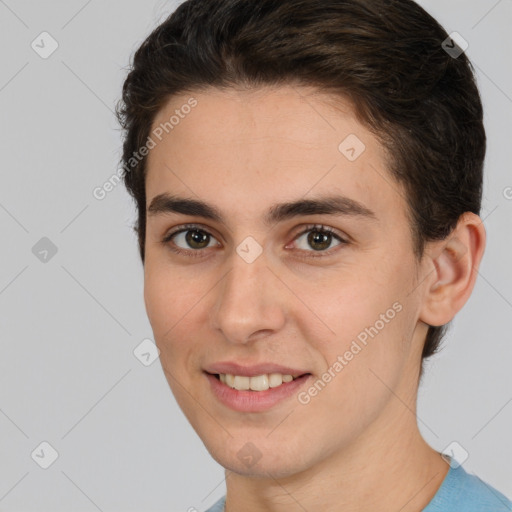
386 56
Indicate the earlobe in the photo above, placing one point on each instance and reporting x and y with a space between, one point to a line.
453 272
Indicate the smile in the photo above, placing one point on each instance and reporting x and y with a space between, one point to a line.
256 383
256 393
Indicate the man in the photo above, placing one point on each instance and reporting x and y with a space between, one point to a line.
308 178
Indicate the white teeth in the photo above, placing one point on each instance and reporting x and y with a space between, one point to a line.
275 379
257 383
242 383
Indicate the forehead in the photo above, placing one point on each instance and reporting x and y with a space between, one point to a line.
244 151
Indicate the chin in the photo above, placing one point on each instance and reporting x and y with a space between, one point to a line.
263 462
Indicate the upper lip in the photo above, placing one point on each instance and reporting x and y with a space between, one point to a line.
232 368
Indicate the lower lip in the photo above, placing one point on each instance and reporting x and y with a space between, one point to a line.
254 401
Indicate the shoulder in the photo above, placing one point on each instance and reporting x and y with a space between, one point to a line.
459 491
463 491
218 506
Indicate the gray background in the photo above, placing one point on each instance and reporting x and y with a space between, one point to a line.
68 326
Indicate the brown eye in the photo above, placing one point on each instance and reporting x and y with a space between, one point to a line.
319 241
197 239
189 238
319 238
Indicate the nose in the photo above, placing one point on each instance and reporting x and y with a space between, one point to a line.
249 301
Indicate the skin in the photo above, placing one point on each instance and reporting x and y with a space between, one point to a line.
356 445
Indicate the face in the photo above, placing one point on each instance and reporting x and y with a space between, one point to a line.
278 244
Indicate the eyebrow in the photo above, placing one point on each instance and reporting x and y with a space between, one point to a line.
329 205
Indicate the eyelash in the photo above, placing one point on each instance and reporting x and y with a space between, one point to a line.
196 253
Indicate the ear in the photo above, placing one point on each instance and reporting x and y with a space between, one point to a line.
455 261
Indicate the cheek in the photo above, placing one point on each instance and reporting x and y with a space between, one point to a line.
157 297
371 317
171 304
168 294
363 363
354 304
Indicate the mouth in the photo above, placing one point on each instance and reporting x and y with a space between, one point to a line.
255 387
258 392
256 383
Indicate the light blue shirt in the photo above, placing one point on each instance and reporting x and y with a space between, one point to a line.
459 492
